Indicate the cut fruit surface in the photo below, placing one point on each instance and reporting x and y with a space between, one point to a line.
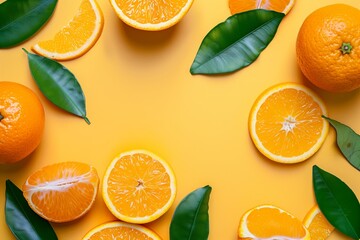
317 224
76 38
121 230
138 187
270 222
62 192
151 15
237 6
286 123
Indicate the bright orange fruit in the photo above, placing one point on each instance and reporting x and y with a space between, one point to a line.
284 6
317 224
285 123
62 192
22 121
138 186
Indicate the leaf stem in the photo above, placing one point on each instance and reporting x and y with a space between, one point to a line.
86 120
25 50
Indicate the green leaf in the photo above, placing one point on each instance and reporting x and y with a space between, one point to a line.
237 42
337 202
21 19
191 217
348 142
24 223
58 84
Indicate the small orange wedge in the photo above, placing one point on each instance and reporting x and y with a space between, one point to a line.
62 192
317 224
270 222
284 6
121 230
77 37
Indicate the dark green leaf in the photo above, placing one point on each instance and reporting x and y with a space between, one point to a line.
237 42
348 142
58 84
191 217
24 223
337 202
21 19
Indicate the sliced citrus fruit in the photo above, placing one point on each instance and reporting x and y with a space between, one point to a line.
138 187
62 192
284 6
285 123
120 230
271 222
151 15
317 224
77 37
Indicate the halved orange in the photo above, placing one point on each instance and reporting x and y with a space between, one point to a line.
271 222
138 186
77 37
317 224
62 192
120 230
285 123
151 15
237 6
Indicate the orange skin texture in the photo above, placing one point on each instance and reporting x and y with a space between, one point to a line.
319 43
22 122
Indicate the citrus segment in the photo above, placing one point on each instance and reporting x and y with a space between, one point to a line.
285 123
270 222
22 121
317 224
62 192
77 37
138 186
151 15
284 6
121 230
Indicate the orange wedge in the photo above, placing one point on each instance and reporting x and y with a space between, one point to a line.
270 222
237 6
285 123
317 224
151 15
138 187
122 231
62 192
76 38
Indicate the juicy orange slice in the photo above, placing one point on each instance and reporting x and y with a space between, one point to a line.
270 222
122 231
77 37
284 6
62 192
285 123
138 187
317 224
151 15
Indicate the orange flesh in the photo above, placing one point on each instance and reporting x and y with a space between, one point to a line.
237 6
121 233
320 228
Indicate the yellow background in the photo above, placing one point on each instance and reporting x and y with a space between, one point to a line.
141 95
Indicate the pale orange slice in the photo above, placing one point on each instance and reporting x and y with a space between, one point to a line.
151 15
283 6
285 123
270 222
138 187
62 192
77 37
317 224
120 230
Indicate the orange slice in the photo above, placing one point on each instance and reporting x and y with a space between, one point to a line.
62 192
76 38
151 15
122 231
138 187
270 222
317 224
285 123
284 6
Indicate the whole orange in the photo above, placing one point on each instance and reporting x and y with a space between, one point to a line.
328 48
22 121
